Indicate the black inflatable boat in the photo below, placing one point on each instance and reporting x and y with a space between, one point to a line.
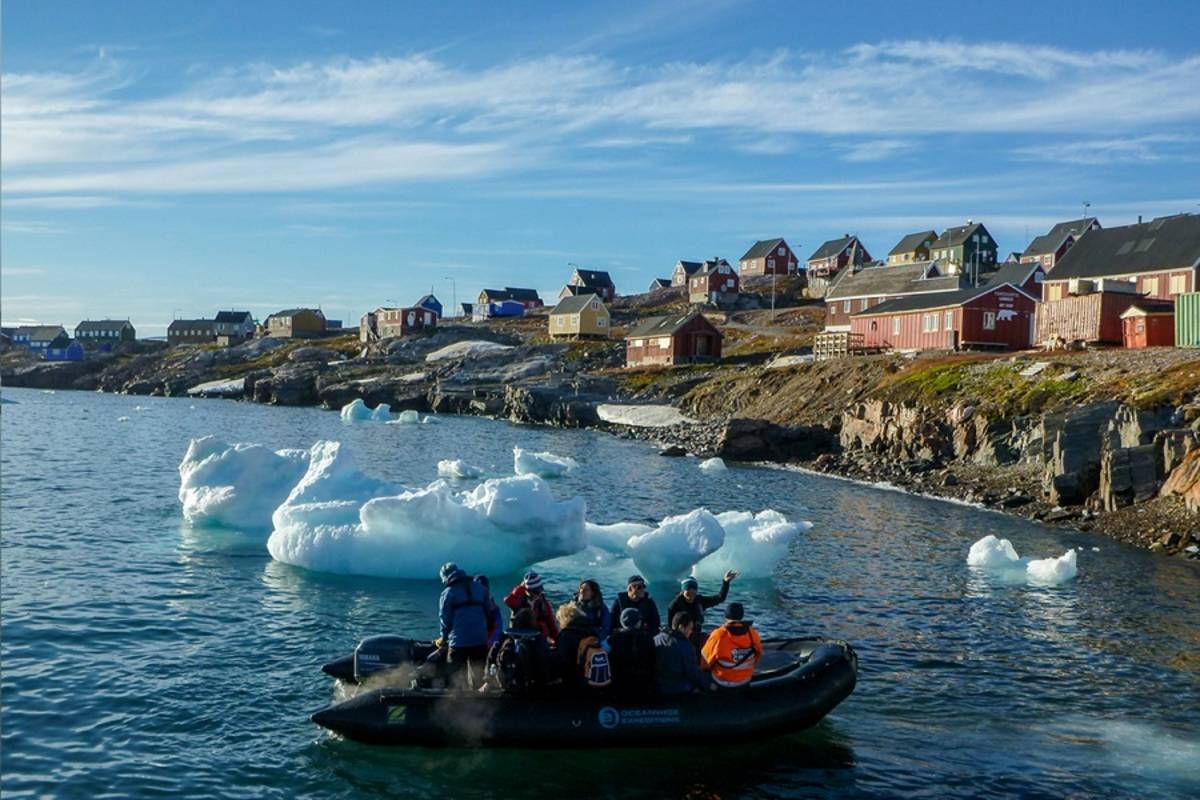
797 682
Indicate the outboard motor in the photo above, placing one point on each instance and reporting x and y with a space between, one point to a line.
380 653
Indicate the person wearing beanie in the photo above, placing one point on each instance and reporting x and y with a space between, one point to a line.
677 666
528 594
463 615
635 597
689 601
632 656
732 650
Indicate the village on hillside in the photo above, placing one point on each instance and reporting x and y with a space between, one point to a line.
1077 285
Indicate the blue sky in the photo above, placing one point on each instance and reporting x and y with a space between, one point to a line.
172 159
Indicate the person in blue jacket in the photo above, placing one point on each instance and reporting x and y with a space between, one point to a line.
494 620
463 612
676 660
590 601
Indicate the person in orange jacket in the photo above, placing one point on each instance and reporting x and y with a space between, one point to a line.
732 650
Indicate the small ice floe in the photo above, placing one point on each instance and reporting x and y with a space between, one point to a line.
407 417
713 466
669 551
1095 549
428 419
999 557
545 465
357 411
141 408
122 419
458 469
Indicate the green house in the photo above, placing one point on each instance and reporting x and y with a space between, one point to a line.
967 247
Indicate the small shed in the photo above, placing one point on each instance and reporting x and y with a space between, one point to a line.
1187 319
1149 323
503 308
1092 316
671 340
71 352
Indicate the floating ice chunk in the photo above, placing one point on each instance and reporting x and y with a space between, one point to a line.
670 550
236 486
407 417
7 402
502 526
990 552
999 557
122 419
468 349
459 469
615 538
333 475
713 465
357 411
1052 571
545 465
429 420
754 544
1095 549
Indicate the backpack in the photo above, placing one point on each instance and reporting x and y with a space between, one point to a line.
514 664
593 661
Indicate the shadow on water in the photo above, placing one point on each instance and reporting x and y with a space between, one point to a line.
815 763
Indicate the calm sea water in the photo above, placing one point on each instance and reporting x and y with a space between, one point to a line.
140 658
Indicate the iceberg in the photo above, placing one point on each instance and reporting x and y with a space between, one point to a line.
407 417
615 538
357 411
999 557
669 551
713 466
754 544
500 527
545 465
459 469
236 486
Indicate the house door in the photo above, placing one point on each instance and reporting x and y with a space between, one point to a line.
702 346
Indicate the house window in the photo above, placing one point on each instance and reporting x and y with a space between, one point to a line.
846 306
595 305
989 320
895 326
1178 284
729 283
874 326
1150 286
948 321
601 322
1054 292
665 342
782 251
930 323
771 263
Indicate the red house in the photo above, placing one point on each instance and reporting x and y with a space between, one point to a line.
768 257
998 315
667 341
1149 323
716 283
830 258
1049 249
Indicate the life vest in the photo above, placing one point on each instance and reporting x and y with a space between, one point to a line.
732 652
593 662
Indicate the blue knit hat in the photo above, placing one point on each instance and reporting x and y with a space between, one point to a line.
631 618
689 583
532 582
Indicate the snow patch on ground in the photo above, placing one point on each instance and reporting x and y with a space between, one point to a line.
357 411
782 362
641 416
545 465
713 466
227 388
236 486
669 551
458 469
468 349
999 557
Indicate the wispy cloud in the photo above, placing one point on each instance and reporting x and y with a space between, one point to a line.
1139 149
875 150
20 272
35 228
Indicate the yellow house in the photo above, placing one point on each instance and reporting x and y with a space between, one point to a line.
296 323
580 316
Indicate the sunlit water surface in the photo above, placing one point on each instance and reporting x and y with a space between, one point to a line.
140 658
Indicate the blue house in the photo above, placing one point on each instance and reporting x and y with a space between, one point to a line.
505 308
73 351
40 338
431 303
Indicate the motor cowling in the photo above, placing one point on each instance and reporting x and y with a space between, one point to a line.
380 653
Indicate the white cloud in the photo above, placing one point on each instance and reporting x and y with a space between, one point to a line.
1141 149
875 150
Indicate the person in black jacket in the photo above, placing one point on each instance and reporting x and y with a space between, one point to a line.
676 661
635 596
574 628
689 601
631 654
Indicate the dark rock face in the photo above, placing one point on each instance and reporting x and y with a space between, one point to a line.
1128 475
49 375
758 440
1071 450
549 405
315 354
288 386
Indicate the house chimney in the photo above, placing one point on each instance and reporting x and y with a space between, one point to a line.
1139 219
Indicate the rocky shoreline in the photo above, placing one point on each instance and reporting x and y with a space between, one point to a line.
1131 473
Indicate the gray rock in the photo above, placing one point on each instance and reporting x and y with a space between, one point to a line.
319 354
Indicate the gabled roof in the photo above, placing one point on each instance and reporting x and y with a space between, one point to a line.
832 248
953 237
710 266
572 289
291 312
511 293
103 325
762 248
43 332
912 241
191 323
1050 242
574 304
900 279
1163 243
594 278
689 266
1149 305
662 326
660 283
925 302
234 316
1012 272
428 299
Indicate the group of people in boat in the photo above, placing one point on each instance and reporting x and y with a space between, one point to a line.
588 645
